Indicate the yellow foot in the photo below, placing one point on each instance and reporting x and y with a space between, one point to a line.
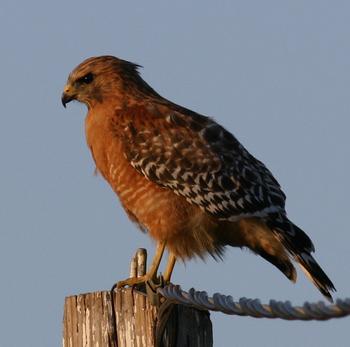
150 281
148 284
133 281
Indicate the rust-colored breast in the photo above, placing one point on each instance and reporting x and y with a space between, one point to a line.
164 214
187 228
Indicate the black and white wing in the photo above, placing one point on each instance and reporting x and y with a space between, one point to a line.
201 161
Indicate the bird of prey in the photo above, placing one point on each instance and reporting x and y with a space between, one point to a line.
182 177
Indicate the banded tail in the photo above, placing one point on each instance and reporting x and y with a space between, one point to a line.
299 245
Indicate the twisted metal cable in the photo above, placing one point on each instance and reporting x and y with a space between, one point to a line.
254 308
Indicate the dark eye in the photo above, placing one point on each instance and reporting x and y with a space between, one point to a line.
88 78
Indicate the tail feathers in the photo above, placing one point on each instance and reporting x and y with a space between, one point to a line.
314 272
290 235
299 245
283 264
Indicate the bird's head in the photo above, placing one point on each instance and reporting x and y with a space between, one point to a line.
98 78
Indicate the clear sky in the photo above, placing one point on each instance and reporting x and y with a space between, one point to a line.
275 73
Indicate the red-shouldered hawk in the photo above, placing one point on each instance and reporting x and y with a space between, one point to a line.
183 177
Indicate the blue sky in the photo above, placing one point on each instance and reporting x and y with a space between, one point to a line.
274 73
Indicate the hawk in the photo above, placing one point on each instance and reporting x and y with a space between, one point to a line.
183 177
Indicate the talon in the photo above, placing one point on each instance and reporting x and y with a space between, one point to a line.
145 284
151 290
133 281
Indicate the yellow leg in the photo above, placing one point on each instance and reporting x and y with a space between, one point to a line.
151 273
169 268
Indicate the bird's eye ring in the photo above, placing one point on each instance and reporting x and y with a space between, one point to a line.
88 78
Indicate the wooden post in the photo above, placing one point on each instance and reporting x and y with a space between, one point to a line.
88 320
129 320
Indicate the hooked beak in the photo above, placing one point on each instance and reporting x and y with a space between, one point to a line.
66 97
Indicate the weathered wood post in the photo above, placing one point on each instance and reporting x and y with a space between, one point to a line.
129 320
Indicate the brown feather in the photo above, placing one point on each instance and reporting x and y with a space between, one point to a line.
181 176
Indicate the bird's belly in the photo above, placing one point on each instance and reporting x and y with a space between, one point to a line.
155 208
166 216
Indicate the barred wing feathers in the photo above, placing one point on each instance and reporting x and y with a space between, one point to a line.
198 159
